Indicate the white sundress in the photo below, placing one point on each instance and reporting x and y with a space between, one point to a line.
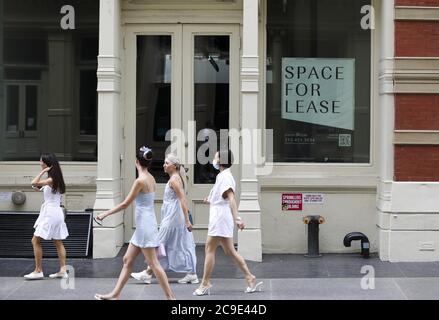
220 215
50 223
178 241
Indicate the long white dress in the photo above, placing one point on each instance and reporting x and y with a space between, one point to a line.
178 241
220 215
50 223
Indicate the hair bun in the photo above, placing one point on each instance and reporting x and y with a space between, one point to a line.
145 151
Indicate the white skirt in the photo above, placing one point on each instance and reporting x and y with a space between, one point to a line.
220 221
50 223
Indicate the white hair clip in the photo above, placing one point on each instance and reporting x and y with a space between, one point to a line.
145 151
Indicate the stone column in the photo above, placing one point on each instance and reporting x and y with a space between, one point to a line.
249 240
108 239
386 29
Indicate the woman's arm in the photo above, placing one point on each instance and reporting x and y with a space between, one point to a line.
36 182
230 195
178 188
135 189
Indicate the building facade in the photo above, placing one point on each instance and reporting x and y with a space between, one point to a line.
338 98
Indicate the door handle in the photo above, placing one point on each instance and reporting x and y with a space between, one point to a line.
186 144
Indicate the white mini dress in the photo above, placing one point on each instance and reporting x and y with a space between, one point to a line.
50 223
220 215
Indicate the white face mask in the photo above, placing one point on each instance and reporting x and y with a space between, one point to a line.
215 164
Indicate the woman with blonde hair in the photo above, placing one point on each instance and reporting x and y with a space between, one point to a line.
175 227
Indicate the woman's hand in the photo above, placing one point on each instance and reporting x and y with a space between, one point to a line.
189 226
47 169
102 216
206 200
240 223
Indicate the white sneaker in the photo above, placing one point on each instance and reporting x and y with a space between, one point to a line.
142 276
34 276
189 278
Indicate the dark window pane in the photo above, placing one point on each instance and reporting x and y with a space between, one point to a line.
88 102
153 99
31 107
310 130
12 110
211 94
89 49
22 74
54 71
25 51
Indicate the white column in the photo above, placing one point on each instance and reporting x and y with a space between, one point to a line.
108 239
386 110
249 240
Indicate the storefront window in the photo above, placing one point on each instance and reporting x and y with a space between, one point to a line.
48 82
318 81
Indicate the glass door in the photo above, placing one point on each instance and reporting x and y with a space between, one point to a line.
211 102
178 75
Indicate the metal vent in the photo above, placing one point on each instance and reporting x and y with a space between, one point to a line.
16 232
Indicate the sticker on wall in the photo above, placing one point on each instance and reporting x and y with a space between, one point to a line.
291 202
5 196
313 198
319 91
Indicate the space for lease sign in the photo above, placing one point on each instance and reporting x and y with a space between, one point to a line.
319 91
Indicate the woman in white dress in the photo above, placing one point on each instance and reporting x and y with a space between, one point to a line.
50 224
175 228
145 239
223 214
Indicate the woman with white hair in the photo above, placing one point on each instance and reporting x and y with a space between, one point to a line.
175 227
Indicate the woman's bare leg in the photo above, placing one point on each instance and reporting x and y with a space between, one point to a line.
229 250
157 269
128 260
38 253
209 261
61 255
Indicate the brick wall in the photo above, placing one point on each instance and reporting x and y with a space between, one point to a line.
421 3
417 38
417 112
416 163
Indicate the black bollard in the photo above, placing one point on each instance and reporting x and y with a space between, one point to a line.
313 223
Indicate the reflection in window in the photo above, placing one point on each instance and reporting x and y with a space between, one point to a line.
153 99
49 77
211 92
12 96
31 108
330 32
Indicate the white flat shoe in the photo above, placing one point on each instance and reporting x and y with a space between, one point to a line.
63 275
34 276
189 278
256 287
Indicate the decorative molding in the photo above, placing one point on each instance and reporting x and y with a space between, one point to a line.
416 137
181 16
178 4
416 13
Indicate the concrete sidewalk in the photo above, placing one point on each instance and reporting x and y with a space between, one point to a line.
286 277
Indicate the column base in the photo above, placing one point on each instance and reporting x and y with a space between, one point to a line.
107 242
250 244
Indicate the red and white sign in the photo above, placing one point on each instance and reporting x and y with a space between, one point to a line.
291 201
313 198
